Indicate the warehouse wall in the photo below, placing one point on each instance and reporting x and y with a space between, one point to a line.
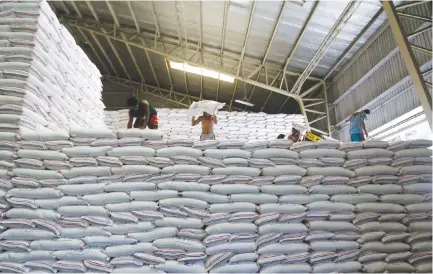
377 76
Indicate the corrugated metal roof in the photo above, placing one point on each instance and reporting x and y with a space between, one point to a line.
180 21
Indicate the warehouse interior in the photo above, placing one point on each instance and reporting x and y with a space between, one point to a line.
336 57
92 184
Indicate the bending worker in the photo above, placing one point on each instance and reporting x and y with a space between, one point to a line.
357 127
144 113
207 122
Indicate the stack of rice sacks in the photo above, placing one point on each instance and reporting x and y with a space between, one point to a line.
130 201
175 124
47 82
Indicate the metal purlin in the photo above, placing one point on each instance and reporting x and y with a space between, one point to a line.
323 48
421 87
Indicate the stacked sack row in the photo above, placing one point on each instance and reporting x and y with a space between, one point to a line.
151 205
47 81
394 183
176 124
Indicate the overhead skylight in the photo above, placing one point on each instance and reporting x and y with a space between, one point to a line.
201 71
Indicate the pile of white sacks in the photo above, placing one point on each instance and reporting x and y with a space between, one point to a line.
46 80
128 201
175 124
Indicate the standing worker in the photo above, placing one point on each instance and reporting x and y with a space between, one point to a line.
144 113
357 129
207 122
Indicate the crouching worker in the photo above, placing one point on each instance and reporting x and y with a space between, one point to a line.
207 122
143 112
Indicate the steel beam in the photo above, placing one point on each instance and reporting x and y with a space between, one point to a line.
247 33
223 37
319 130
311 99
415 33
94 51
200 47
65 7
409 59
421 49
326 43
134 60
270 92
155 18
77 10
150 62
169 40
315 104
134 18
104 53
92 11
415 17
353 43
116 21
328 121
373 69
184 26
314 111
268 47
371 40
410 4
113 14
313 88
180 38
300 35
174 57
318 119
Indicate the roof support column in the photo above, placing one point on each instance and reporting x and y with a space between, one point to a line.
409 59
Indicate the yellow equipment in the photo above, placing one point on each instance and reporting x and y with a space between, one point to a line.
312 137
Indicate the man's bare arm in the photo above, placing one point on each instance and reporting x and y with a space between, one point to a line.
194 121
129 125
147 114
214 118
364 128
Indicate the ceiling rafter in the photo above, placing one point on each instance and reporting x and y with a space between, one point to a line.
299 37
179 27
96 30
353 43
134 60
268 47
200 45
216 53
326 43
92 11
87 41
77 10
134 18
247 33
117 25
104 52
223 35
